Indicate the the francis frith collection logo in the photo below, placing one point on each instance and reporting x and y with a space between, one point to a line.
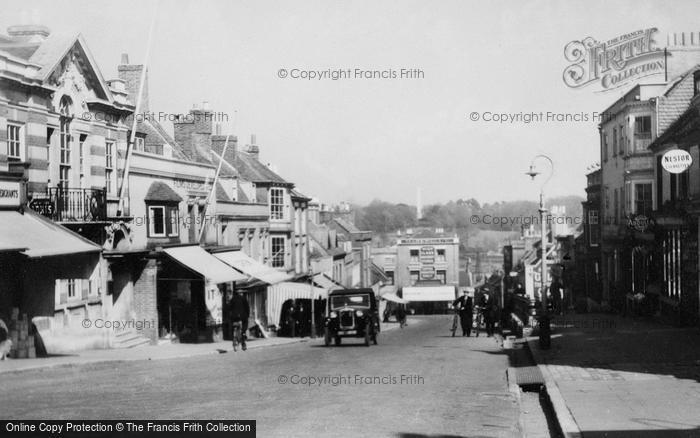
613 63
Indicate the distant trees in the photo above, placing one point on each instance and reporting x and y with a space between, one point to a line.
384 217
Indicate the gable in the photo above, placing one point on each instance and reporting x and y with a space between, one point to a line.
68 65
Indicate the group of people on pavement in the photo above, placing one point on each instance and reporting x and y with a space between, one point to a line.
464 305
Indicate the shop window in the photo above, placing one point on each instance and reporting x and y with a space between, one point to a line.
441 255
415 258
163 221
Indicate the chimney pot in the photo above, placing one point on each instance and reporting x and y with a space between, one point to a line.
29 32
252 139
205 105
125 58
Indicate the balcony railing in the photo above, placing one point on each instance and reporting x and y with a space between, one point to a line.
72 205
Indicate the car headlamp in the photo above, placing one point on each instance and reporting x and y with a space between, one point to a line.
359 313
334 315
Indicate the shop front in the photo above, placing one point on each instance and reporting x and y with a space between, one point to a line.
192 288
50 274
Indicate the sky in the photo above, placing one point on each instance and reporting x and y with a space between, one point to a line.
359 139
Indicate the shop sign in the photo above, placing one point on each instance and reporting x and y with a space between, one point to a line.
427 272
10 193
676 161
640 222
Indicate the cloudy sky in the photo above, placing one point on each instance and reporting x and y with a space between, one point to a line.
360 139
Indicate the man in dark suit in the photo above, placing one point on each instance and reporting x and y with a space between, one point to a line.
488 309
239 310
464 305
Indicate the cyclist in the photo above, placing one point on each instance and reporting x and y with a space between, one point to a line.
463 305
239 311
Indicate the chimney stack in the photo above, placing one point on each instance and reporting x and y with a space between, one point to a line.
253 148
29 33
194 131
131 75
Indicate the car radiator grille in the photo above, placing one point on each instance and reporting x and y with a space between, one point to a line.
346 319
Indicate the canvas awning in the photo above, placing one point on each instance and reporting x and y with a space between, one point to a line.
326 283
279 293
252 267
196 259
393 298
430 293
36 236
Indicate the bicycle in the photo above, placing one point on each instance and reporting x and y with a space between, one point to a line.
238 336
478 320
454 323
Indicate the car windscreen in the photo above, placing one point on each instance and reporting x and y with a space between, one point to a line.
339 301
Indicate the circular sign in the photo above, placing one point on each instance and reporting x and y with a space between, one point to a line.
676 161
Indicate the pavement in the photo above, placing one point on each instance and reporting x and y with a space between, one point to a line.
419 382
609 376
147 352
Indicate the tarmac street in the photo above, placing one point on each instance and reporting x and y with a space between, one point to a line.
418 382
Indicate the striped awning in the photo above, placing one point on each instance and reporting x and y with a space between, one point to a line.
252 267
279 293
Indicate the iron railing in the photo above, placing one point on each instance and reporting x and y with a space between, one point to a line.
72 205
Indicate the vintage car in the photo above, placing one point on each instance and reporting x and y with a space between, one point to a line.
351 313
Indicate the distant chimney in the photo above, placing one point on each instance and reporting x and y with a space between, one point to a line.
131 75
217 145
30 33
253 148
194 132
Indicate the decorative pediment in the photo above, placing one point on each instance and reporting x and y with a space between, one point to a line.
77 76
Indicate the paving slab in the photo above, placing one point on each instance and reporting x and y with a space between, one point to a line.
621 377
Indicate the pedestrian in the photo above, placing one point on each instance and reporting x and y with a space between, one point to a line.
488 309
465 306
401 315
555 290
387 313
5 342
239 311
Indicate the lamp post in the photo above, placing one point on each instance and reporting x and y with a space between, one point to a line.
544 323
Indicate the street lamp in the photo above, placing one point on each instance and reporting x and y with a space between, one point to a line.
545 329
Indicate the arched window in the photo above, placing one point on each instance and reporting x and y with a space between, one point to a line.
65 140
